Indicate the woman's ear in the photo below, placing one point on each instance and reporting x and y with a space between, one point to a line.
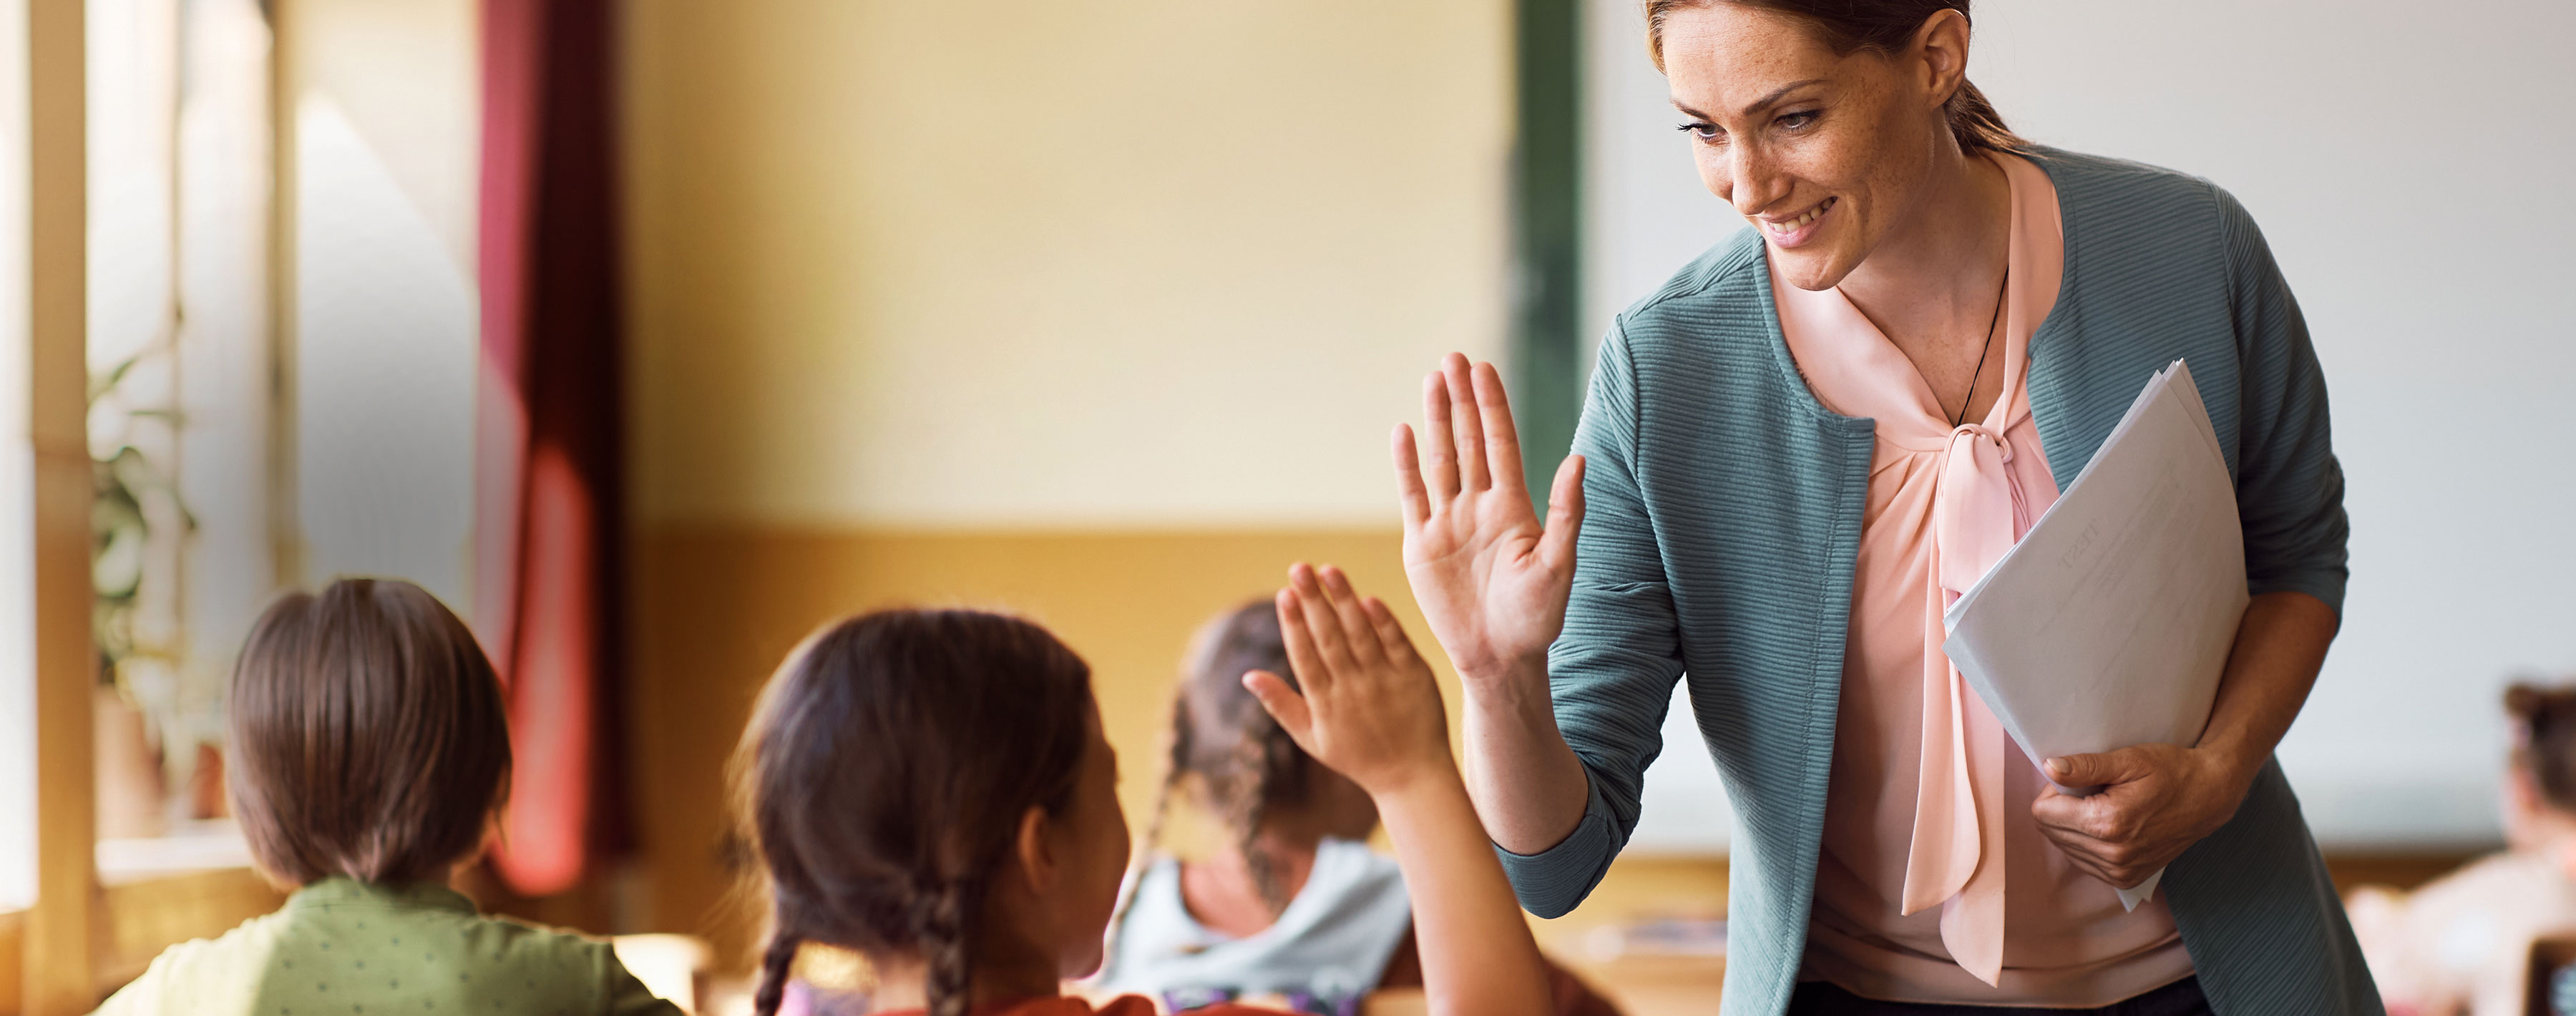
1941 54
1035 848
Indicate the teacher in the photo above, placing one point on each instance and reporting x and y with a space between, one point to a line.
1801 449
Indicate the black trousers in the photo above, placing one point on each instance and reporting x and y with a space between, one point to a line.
1817 998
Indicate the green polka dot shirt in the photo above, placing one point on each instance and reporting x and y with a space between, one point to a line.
346 948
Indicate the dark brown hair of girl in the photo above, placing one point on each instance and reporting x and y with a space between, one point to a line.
883 778
1242 760
2544 719
1880 26
366 735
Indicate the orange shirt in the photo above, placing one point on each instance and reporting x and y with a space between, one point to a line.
1935 883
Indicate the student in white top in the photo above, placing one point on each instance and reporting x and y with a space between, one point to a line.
1293 907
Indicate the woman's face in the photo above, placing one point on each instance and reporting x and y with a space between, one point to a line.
1825 154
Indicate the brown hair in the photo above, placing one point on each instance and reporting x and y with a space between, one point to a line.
367 735
883 777
2544 742
1242 761
1882 26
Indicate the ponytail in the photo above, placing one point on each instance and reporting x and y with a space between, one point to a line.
1251 806
943 926
1245 761
774 967
1975 123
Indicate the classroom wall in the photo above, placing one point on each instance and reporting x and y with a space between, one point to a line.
1100 314
2389 158
2397 166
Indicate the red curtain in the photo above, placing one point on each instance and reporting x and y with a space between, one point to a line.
549 556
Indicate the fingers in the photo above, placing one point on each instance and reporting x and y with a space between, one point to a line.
2086 770
1408 481
1502 442
1390 633
2118 815
1303 659
1283 702
1356 629
2084 852
1465 423
1437 442
1323 626
2123 865
2054 810
1564 516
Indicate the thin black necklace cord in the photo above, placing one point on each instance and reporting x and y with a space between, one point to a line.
1969 399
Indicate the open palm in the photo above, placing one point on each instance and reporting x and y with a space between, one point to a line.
1492 582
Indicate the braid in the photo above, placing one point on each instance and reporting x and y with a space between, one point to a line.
774 966
1246 762
1174 767
942 927
1251 805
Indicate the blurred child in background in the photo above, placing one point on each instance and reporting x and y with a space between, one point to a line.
368 753
933 790
2462 943
1293 904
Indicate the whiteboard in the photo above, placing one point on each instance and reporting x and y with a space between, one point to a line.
2408 164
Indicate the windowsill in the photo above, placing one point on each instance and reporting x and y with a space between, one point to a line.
190 847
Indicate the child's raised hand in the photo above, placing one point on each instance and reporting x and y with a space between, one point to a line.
1370 710
1369 707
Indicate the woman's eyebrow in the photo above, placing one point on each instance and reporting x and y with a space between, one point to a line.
1756 105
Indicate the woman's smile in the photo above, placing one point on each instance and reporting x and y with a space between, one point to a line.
1797 229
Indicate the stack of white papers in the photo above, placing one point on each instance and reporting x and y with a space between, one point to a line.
2109 623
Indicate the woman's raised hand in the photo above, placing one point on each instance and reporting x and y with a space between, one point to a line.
1366 704
1492 582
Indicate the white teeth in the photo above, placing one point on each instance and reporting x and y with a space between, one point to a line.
1794 225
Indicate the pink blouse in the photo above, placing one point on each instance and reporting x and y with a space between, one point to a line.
1935 883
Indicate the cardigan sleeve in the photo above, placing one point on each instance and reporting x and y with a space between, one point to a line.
1611 672
2289 488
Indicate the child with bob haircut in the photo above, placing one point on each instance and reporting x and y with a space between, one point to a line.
933 790
368 752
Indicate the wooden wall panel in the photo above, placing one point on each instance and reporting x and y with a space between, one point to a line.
61 931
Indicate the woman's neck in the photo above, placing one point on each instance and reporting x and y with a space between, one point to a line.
1223 894
1934 279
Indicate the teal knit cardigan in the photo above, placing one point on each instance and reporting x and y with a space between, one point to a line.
1725 512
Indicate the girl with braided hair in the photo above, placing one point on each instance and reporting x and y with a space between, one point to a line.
933 790
1292 904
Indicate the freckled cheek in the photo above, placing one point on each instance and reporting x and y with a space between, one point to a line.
1714 173
1828 166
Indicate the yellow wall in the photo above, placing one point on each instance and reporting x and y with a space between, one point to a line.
1095 312
1149 263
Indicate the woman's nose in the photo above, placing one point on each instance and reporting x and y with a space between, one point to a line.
1751 183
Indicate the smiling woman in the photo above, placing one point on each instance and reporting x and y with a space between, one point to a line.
1799 451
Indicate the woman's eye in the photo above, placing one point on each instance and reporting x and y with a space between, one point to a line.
1796 121
1703 130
